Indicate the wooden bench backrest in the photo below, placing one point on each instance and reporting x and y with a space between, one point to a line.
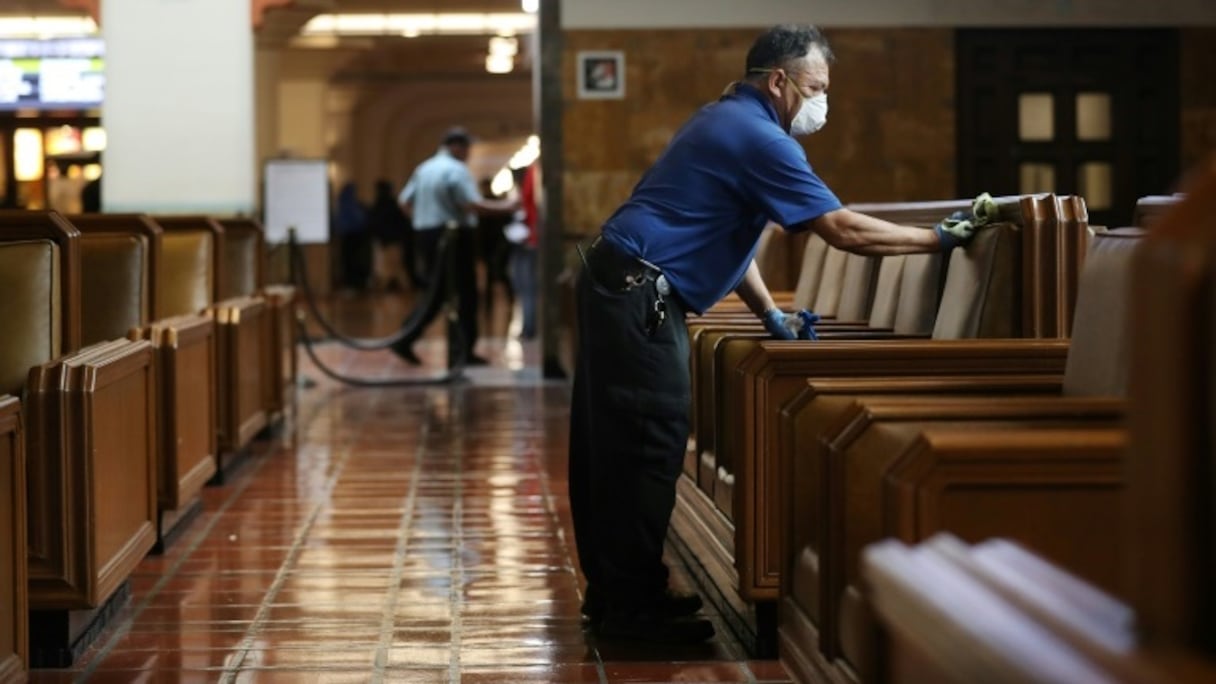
40 282
1172 488
120 262
244 254
191 264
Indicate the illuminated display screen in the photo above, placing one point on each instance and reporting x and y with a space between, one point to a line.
51 74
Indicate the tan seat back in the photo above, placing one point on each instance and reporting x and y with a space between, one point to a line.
29 309
242 270
857 288
1098 357
919 290
114 285
240 265
981 298
1150 208
187 277
807 287
886 292
827 298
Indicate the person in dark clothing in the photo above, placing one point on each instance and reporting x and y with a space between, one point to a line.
354 241
684 239
90 197
388 226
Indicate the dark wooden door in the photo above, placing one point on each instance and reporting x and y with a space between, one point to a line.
1088 112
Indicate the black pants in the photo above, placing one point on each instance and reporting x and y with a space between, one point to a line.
629 428
465 275
356 253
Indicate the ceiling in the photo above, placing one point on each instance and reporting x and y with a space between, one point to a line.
372 59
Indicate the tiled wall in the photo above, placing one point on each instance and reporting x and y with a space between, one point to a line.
890 132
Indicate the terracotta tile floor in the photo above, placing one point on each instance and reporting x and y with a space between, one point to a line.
394 535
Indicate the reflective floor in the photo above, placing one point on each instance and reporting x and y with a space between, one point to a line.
393 535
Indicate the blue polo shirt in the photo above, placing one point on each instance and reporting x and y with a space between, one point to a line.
698 213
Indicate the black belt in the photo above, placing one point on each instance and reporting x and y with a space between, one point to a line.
615 270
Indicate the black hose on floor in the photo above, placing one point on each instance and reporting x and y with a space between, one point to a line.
432 300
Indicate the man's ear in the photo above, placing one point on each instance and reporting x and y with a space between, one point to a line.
774 82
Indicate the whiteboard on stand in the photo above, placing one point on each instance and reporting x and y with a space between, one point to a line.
297 196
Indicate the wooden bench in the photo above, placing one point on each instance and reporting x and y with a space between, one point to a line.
246 245
743 489
90 438
819 414
1010 616
14 588
126 281
240 328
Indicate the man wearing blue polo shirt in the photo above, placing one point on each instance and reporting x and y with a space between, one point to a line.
685 239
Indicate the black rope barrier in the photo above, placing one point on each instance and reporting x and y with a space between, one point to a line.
444 278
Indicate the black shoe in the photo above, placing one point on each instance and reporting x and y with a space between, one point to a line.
674 604
475 360
405 351
654 628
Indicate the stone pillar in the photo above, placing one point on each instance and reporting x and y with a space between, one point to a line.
547 72
179 111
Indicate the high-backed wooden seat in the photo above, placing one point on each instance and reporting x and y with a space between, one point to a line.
1150 209
1008 615
198 242
124 280
90 438
246 247
826 411
994 612
986 294
14 590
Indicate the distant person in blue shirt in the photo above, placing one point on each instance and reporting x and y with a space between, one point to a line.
683 240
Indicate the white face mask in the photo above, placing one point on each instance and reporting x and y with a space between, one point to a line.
811 116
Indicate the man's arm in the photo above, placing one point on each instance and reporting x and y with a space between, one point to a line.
861 234
754 292
485 206
471 201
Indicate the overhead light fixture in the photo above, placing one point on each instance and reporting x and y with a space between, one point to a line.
525 155
444 23
499 64
531 6
501 45
47 27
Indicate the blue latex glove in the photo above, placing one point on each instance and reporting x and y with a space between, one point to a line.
796 326
959 227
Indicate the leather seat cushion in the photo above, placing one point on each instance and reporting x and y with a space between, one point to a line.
981 298
240 264
1098 356
186 281
114 283
919 290
29 309
807 287
827 299
886 292
857 288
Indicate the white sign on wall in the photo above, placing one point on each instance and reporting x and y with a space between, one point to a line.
297 196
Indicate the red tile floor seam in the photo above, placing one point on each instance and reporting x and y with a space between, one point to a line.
393 535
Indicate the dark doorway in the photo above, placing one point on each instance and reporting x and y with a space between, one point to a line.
1088 112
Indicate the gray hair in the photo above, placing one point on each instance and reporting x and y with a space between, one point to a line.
780 45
